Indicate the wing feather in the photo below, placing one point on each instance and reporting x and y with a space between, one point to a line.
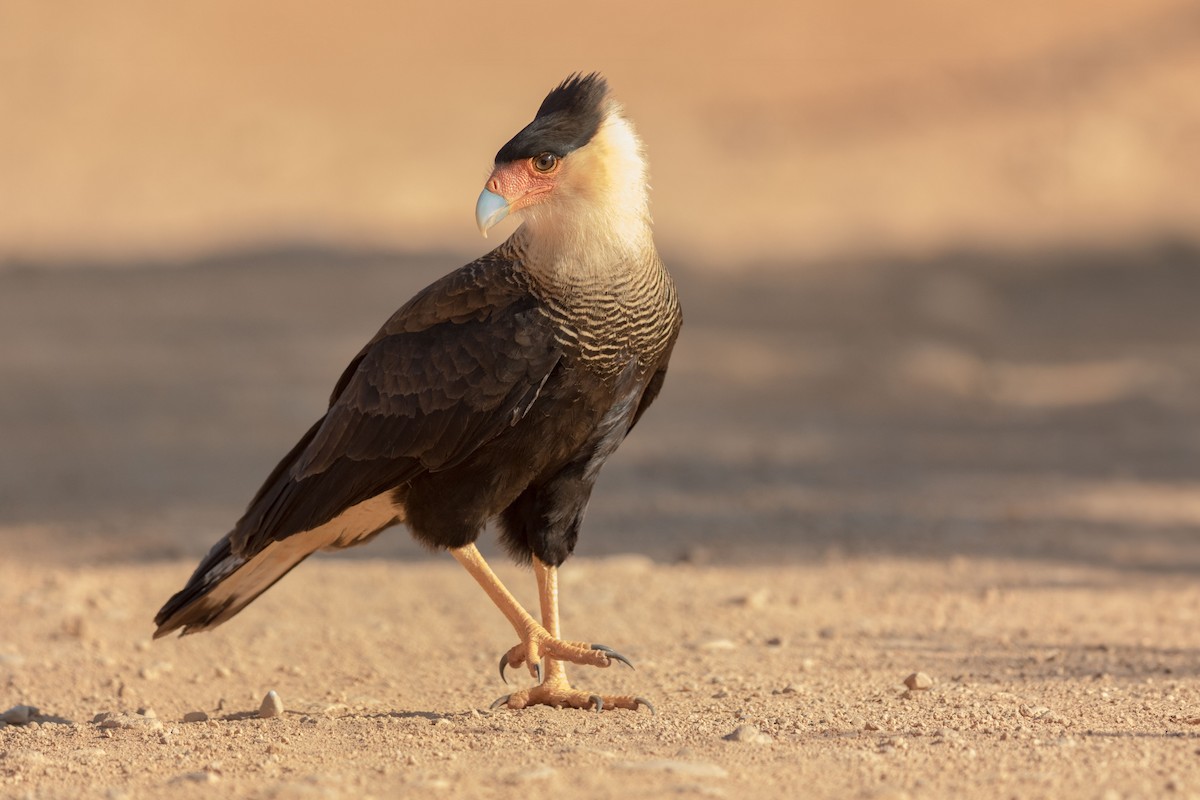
457 366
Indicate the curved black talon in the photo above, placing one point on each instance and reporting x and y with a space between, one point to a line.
613 654
503 666
537 669
641 701
597 701
499 702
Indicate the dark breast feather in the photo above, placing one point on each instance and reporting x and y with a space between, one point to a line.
456 366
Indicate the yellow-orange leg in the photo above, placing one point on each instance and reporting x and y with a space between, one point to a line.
540 642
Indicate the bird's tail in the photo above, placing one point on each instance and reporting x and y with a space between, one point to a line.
226 582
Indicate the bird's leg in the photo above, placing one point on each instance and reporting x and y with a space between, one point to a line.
555 690
518 617
547 581
536 641
541 641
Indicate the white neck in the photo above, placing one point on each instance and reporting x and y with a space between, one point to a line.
598 219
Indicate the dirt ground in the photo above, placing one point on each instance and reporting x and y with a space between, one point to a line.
977 467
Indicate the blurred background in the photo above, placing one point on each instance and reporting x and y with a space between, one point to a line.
939 261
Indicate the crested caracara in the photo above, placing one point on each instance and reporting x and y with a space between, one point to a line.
498 392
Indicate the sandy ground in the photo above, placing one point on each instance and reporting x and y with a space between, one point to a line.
981 468
1048 681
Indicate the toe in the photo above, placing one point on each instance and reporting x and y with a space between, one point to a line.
613 654
560 694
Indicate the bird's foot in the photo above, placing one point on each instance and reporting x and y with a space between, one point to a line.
539 644
557 692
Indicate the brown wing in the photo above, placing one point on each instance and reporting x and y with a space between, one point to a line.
460 363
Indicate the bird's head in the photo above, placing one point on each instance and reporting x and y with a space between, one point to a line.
577 164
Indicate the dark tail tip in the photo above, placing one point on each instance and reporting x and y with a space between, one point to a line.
186 609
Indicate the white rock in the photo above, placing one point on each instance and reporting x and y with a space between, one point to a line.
19 715
749 734
918 681
271 706
718 644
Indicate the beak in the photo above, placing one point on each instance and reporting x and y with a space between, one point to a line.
490 209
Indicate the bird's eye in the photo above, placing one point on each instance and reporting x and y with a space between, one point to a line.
545 162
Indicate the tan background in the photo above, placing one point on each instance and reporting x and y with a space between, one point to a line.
776 129
936 405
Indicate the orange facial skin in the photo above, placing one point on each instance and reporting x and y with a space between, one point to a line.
522 184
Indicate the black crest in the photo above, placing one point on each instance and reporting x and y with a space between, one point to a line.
567 120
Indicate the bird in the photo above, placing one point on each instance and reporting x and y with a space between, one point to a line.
494 395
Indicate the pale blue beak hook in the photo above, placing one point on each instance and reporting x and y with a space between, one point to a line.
489 209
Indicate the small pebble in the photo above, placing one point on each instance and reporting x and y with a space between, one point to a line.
110 721
437 784
696 555
195 716
271 706
718 644
749 734
757 599
155 671
200 776
19 715
918 681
